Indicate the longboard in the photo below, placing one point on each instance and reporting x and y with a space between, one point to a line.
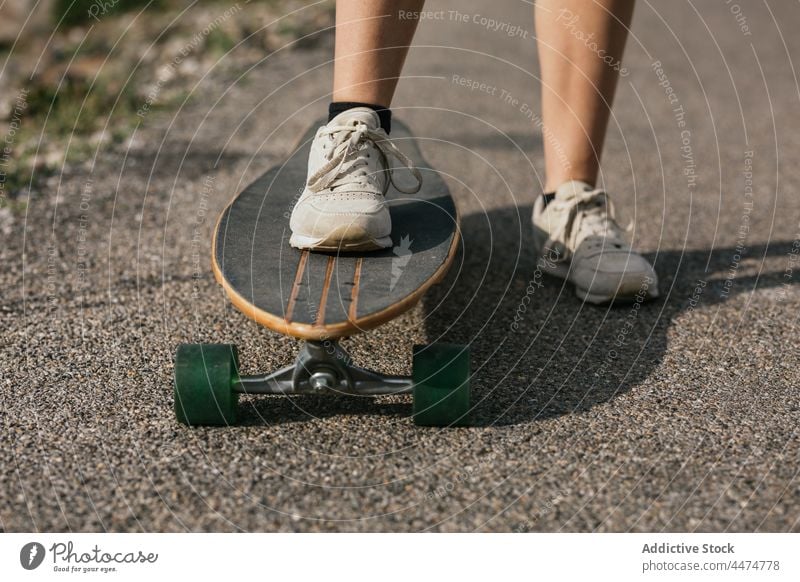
313 295
320 297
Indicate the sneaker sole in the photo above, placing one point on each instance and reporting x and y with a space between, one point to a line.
341 240
625 293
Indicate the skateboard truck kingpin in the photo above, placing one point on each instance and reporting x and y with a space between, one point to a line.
320 367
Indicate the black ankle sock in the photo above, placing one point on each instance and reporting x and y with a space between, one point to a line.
384 113
548 198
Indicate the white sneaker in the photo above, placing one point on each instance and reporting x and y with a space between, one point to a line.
577 239
343 206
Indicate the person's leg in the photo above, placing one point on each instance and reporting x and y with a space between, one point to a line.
372 40
342 206
580 50
575 232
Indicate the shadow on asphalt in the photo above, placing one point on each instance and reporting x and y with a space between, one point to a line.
563 356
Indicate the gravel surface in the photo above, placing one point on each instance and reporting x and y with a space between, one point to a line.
679 415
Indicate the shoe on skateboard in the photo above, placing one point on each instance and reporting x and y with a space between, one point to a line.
343 205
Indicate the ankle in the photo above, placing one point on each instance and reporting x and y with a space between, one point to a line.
548 197
384 113
553 184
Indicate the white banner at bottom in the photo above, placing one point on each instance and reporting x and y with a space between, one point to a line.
400 557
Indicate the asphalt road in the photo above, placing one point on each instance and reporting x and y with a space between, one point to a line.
680 415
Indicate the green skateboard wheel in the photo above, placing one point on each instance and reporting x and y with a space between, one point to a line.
204 378
441 385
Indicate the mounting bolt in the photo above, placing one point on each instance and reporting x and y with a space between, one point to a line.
321 381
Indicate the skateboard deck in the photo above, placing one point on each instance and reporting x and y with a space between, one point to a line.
314 295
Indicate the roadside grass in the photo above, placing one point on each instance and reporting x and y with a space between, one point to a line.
80 88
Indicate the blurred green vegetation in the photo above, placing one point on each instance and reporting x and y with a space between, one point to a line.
80 12
75 106
90 90
76 12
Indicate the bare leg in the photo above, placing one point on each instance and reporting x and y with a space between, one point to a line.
372 40
349 154
580 47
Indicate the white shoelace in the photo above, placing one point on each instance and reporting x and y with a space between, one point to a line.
350 139
589 213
